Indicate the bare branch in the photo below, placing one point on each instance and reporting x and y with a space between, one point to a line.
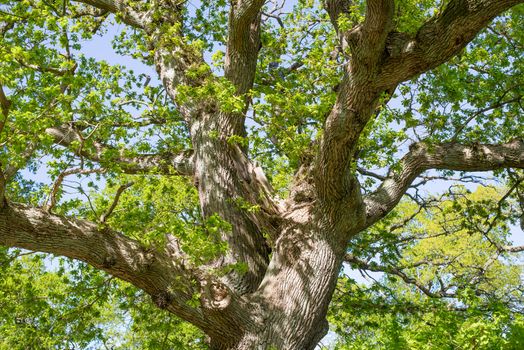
181 163
349 258
276 17
119 192
51 202
450 156
498 104
365 172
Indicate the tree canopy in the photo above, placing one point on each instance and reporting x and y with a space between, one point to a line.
266 154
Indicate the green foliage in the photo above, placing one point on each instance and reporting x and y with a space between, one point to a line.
156 207
289 103
436 252
51 303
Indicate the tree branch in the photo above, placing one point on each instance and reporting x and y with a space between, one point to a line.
349 258
123 9
5 104
513 249
377 24
335 8
150 270
48 69
51 200
449 156
356 101
498 104
166 275
365 172
243 46
439 39
118 193
181 163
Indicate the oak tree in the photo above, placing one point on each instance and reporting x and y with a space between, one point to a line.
272 148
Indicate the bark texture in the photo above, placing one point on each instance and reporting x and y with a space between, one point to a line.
293 249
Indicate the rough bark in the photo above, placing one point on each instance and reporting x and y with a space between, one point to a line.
439 39
228 184
154 272
123 9
451 156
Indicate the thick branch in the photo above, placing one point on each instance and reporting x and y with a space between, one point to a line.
248 10
243 46
377 24
449 156
123 9
513 249
335 8
181 163
439 39
356 101
5 104
174 57
151 270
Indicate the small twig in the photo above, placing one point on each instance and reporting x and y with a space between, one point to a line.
119 192
42 69
491 224
361 264
91 206
56 186
277 18
496 105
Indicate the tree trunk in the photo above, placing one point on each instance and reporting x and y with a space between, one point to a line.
290 305
284 296
228 186
293 299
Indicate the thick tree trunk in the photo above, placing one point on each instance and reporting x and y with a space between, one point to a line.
293 299
290 305
230 187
